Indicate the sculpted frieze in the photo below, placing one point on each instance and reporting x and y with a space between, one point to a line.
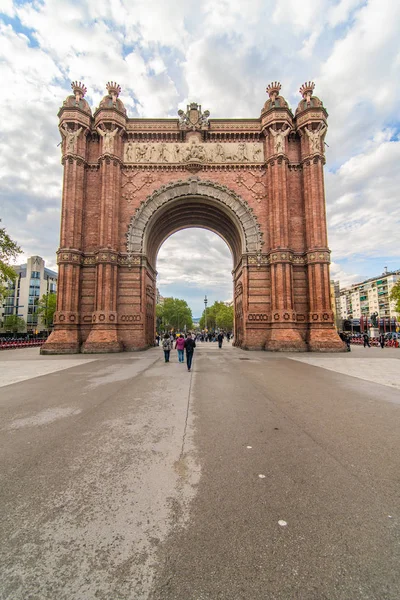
194 151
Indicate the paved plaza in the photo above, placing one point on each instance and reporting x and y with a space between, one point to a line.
255 476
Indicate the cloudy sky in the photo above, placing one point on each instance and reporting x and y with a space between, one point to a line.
222 54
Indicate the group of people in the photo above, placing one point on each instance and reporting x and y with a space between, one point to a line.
181 344
381 339
346 337
187 342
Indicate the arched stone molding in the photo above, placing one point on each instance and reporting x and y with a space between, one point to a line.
220 196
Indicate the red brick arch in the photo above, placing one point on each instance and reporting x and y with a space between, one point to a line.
130 183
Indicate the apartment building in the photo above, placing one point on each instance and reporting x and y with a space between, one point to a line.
369 297
33 281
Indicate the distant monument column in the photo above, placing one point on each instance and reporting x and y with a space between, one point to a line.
110 124
311 124
75 121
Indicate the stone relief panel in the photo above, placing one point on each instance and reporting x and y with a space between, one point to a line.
194 151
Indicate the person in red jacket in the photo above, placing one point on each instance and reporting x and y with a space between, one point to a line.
190 345
180 345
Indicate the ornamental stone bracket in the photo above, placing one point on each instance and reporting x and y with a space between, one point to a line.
218 194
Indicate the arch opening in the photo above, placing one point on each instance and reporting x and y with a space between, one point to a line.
188 213
193 263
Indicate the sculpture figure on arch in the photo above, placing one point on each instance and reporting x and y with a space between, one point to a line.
71 137
279 135
108 139
257 151
242 152
129 152
315 138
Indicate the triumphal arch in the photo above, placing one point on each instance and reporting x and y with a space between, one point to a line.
129 183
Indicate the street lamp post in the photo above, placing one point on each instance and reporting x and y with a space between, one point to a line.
205 312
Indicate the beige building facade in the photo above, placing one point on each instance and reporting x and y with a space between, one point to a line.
369 297
33 281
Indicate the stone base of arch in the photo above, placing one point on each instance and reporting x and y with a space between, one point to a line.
102 339
62 341
320 339
285 339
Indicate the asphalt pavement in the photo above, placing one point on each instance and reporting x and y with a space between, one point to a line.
255 476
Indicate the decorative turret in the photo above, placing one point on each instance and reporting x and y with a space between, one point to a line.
114 90
77 100
112 100
274 100
308 101
79 90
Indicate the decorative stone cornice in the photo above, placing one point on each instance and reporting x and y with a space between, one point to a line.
108 159
69 256
74 114
294 167
318 256
92 166
324 317
107 256
71 158
66 318
277 158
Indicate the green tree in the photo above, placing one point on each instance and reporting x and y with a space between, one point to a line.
159 317
224 317
218 316
14 323
395 295
46 307
176 314
9 250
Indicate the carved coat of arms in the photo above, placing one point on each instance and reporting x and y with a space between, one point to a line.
193 118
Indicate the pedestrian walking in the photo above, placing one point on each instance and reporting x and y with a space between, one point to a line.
382 340
347 341
220 338
157 339
366 340
190 345
166 347
180 345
